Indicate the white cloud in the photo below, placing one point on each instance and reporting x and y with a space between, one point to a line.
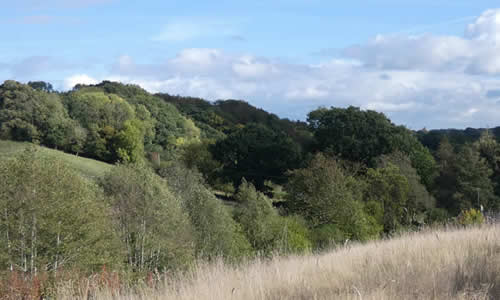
486 27
249 67
477 52
417 98
196 57
71 81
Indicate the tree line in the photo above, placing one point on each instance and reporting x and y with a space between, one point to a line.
288 186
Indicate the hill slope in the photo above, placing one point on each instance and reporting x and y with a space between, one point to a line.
87 167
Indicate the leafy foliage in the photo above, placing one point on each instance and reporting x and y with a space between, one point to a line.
217 234
389 189
33 116
361 136
464 179
419 201
52 218
152 223
264 228
326 196
258 154
470 217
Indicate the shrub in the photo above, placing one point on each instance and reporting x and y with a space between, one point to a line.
292 234
470 217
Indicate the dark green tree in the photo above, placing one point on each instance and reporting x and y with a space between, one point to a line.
42 86
420 202
474 186
389 189
351 133
464 179
361 136
258 154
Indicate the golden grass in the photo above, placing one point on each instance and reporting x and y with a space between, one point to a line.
444 264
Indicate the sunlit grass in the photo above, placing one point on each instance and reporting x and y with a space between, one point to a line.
444 264
87 167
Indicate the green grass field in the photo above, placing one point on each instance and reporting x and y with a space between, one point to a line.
87 167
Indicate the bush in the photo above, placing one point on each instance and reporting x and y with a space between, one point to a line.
292 234
327 235
470 217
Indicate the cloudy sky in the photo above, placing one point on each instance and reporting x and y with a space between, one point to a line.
425 63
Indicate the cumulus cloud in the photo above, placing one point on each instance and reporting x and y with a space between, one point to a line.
477 52
486 27
71 81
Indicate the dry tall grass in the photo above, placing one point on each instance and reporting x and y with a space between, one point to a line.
445 264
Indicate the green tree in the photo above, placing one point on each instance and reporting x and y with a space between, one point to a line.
42 86
464 179
388 188
420 202
489 149
198 156
152 223
328 197
351 133
52 218
258 154
256 215
361 136
446 182
267 231
31 115
216 233
115 133
171 129
474 186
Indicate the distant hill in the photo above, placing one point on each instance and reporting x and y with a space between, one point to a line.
223 116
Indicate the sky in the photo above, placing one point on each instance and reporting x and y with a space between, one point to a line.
425 64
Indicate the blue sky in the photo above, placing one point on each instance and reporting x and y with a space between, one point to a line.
433 64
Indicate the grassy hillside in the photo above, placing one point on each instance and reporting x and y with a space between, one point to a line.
446 264
87 167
